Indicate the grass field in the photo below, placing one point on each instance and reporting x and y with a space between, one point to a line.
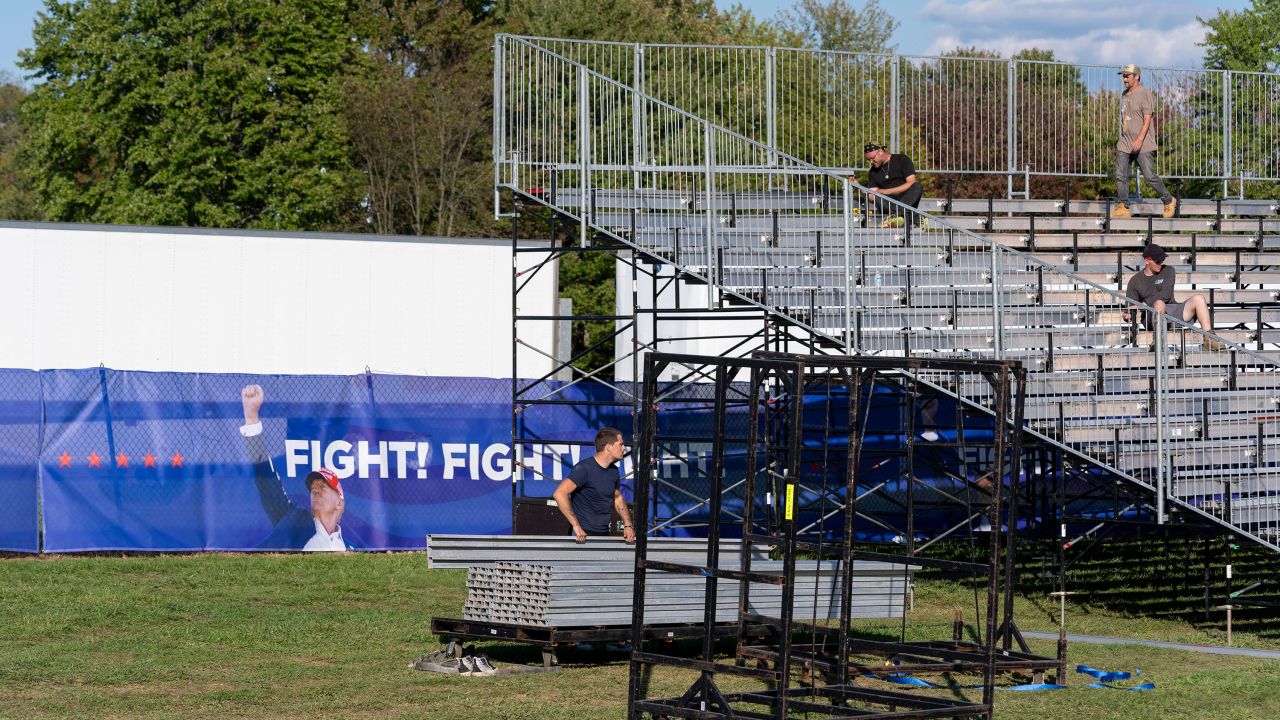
291 636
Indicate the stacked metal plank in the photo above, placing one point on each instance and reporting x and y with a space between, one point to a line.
600 594
464 551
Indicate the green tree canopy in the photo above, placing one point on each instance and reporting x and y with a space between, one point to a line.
1245 40
16 199
837 25
219 113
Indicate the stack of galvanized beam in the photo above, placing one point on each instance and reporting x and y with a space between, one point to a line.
462 551
600 594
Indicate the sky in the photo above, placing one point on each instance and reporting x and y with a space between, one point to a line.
1151 33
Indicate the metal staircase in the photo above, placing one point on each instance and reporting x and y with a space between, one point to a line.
736 224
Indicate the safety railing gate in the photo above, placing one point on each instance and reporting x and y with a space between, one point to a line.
960 114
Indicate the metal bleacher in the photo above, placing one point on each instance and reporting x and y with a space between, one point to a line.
1037 280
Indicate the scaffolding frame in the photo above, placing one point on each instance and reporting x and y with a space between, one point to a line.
767 424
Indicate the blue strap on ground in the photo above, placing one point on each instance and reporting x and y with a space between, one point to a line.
917 682
1105 678
1144 686
1105 675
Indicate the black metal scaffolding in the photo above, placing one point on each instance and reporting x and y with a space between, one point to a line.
819 456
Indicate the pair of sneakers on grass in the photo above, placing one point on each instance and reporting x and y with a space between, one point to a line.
471 663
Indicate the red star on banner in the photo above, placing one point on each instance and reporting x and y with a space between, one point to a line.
122 460
95 460
176 459
148 460
64 460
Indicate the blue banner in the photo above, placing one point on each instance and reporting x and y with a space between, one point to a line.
19 460
160 462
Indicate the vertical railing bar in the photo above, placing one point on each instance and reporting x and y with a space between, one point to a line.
997 302
499 117
709 155
771 107
1010 127
1162 379
894 103
638 155
847 207
584 148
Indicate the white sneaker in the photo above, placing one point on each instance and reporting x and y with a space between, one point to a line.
930 435
480 666
466 665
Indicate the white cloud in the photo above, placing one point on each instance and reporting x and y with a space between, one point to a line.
1103 32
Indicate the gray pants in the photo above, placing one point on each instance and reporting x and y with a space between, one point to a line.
1147 164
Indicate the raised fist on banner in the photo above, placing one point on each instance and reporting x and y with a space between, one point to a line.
251 398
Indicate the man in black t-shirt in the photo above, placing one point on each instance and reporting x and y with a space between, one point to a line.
592 487
891 175
1154 286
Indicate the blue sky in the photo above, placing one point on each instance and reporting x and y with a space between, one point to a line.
1152 33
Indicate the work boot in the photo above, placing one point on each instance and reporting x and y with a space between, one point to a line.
1171 207
1213 345
896 221
1121 211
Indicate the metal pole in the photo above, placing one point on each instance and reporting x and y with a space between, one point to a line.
997 303
847 207
637 116
584 147
1162 358
1010 123
710 159
771 106
894 103
499 128
1227 115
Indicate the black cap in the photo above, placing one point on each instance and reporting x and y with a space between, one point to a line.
870 147
1155 252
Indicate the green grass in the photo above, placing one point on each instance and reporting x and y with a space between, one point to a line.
266 636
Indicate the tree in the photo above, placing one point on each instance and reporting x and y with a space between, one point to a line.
16 199
216 113
645 21
419 111
1245 40
836 25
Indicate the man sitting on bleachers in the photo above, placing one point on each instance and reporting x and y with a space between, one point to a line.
1154 286
891 175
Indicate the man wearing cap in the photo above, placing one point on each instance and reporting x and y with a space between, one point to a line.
891 175
294 528
1137 143
586 495
1154 286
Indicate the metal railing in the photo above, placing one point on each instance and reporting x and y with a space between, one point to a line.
953 114
767 229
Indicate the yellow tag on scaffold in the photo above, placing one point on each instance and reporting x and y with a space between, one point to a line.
791 498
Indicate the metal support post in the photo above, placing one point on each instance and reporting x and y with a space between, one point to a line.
771 106
1011 123
499 117
1227 116
1162 376
709 157
894 103
638 157
584 147
847 208
997 303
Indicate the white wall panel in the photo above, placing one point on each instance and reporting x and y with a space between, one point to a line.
230 301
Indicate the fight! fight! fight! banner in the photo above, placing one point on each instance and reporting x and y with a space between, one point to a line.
157 461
